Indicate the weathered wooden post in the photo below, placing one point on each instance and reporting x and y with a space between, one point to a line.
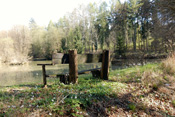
73 66
44 76
105 65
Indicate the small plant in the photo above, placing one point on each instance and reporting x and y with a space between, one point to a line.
165 77
155 86
132 107
141 106
173 102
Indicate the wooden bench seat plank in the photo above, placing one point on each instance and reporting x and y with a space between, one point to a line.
56 75
88 71
79 73
44 64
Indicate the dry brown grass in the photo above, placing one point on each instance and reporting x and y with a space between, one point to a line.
168 64
152 78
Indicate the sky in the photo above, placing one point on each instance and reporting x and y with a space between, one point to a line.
19 12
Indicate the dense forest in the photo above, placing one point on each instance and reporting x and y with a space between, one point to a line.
145 26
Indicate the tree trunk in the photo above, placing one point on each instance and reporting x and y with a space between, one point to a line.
147 44
139 42
126 35
96 43
134 38
143 44
91 42
85 45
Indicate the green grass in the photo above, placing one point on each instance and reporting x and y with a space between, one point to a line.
61 100
131 74
134 69
73 99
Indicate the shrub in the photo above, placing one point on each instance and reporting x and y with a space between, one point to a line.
132 107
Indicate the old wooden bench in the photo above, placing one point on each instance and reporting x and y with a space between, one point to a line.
64 77
72 76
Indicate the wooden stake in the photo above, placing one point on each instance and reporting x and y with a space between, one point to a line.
105 65
44 76
73 67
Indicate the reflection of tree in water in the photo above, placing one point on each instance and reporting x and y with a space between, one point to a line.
18 77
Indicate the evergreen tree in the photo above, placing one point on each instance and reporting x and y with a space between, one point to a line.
102 24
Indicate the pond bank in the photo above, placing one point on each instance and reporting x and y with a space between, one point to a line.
141 55
129 92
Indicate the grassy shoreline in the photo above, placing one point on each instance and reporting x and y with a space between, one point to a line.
137 91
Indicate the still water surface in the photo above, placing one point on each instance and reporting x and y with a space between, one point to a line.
31 73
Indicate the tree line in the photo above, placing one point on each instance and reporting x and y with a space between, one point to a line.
133 26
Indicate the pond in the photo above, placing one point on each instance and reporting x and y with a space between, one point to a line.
125 63
31 73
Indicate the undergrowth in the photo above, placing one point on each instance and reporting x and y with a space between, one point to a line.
127 89
168 65
57 99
